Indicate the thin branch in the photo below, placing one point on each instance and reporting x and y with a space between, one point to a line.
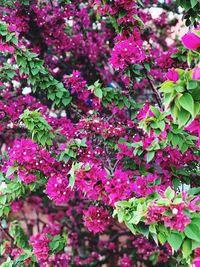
158 98
7 233
37 221
118 235
51 3
26 221
116 164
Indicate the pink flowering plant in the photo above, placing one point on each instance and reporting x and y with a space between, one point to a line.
167 217
99 133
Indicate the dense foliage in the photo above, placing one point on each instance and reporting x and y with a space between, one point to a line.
99 133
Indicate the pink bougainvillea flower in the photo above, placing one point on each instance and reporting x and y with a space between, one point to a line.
57 189
172 75
196 262
96 219
196 74
126 261
194 127
191 41
16 206
12 28
6 48
40 246
127 52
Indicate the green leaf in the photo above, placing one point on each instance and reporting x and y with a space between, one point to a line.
186 101
10 171
3 199
189 58
35 71
6 210
184 148
4 224
183 117
176 183
196 32
59 94
87 167
136 17
161 125
152 228
194 191
51 96
131 228
196 221
162 238
150 156
122 13
175 240
75 167
66 101
157 181
177 201
98 92
169 193
193 3
155 111
192 231
195 244
167 87
143 229
121 104
196 109
120 216
180 89
187 248
126 102
192 85
147 66
8 263
58 243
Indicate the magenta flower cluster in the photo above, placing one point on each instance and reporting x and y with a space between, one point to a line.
96 219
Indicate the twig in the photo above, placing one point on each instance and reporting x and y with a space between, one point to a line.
26 221
118 235
110 168
51 3
116 164
37 221
158 98
7 233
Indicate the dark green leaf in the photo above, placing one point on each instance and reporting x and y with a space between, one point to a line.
194 191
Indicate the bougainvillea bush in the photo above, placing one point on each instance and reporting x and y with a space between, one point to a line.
99 133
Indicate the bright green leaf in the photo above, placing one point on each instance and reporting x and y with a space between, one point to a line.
187 248
183 117
150 156
175 240
193 3
186 101
98 92
192 232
